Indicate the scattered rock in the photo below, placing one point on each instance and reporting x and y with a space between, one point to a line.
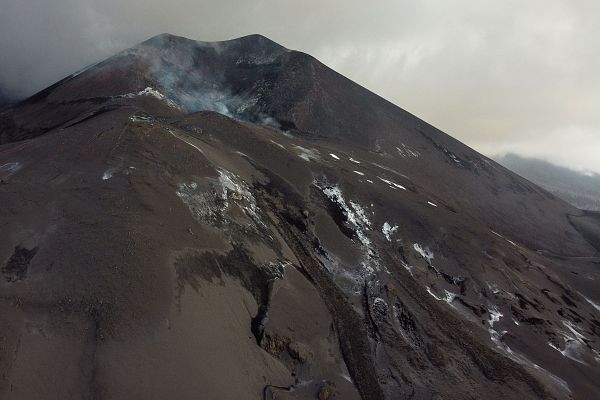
326 392
236 196
275 344
299 351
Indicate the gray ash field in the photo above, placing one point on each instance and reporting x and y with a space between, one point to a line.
235 220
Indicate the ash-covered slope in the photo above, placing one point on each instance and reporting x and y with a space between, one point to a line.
236 220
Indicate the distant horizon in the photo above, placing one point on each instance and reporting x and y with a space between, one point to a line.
579 188
582 172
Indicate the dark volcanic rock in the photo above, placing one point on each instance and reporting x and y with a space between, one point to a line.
16 267
237 220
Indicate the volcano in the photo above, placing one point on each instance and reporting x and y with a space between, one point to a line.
235 220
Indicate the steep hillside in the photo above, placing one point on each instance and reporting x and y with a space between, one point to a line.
236 220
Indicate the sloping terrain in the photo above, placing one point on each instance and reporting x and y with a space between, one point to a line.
236 220
579 189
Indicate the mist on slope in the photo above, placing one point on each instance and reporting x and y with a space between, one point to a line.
581 189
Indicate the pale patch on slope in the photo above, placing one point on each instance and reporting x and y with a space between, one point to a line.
388 231
307 154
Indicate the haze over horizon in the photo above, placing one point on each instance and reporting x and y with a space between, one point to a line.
501 77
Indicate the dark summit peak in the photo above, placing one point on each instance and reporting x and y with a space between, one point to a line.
256 41
164 39
250 43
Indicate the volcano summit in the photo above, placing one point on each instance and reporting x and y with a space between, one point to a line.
235 220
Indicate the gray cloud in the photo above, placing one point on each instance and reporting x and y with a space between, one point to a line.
499 75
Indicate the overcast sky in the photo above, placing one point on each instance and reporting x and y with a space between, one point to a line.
501 75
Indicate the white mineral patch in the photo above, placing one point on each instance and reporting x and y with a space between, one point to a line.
493 288
595 305
201 204
573 329
140 118
388 231
500 236
495 336
393 185
407 151
10 168
449 296
453 157
307 154
186 142
495 316
209 205
277 267
234 187
360 212
149 91
278 144
424 252
357 218
378 301
433 294
389 170
574 343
